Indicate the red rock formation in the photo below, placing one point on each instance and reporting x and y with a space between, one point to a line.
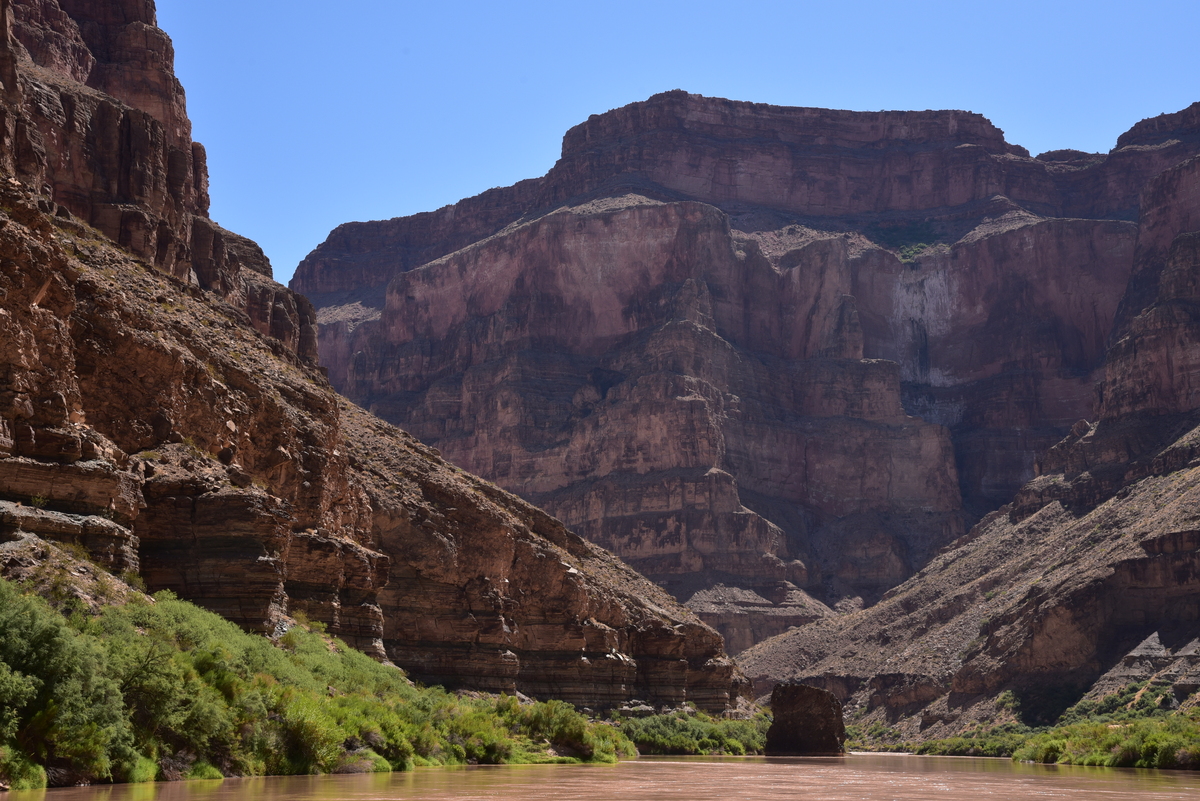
809 162
805 721
813 162
122 158
1047 599
159 406
1155 364
627 354
674 339
1089 579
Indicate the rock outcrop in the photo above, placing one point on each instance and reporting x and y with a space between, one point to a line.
162 409
1089 580
806 721
96 124
776 356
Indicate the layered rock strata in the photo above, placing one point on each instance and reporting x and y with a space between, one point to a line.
743 345
1090 579
96 124
162 409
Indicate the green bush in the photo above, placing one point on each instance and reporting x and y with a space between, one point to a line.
143 769
571 734
312 738
1166 740
989 745
1171 742
61 707
20 772
166 690
696 733
203 770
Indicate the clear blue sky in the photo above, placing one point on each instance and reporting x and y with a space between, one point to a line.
316 113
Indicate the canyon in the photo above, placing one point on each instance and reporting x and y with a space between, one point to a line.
878 402
776 359
162 411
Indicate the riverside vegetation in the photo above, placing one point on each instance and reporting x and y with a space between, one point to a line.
1133 728
687 732
159 689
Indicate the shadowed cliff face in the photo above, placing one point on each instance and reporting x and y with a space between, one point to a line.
609 384
1088 580
768 355
160 406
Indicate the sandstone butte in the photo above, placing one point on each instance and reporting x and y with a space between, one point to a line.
777 359
161 406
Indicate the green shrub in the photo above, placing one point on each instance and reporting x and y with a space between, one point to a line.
696 733
988 745
164 689
203 770
20 772
74 713
143 769
312 738
1170 742
1158 740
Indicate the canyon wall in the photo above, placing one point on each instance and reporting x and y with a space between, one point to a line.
161 407
776 358
1089 580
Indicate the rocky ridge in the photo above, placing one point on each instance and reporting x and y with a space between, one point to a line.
161 408
775 358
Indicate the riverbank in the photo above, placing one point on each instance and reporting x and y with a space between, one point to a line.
876 777
1139 735
114 686
157 688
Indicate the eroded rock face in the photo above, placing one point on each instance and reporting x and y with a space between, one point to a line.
488 592
96 124
1090 579
813 163
1154 366
160 408
742 345
1048 605
623 386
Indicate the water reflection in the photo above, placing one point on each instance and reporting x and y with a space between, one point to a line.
873 777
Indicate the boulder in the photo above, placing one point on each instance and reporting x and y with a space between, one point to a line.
808 721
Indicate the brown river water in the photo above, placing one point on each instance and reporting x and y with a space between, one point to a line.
873 777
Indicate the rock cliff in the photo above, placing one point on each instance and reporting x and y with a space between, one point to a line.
773 357
161 407
1089 580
